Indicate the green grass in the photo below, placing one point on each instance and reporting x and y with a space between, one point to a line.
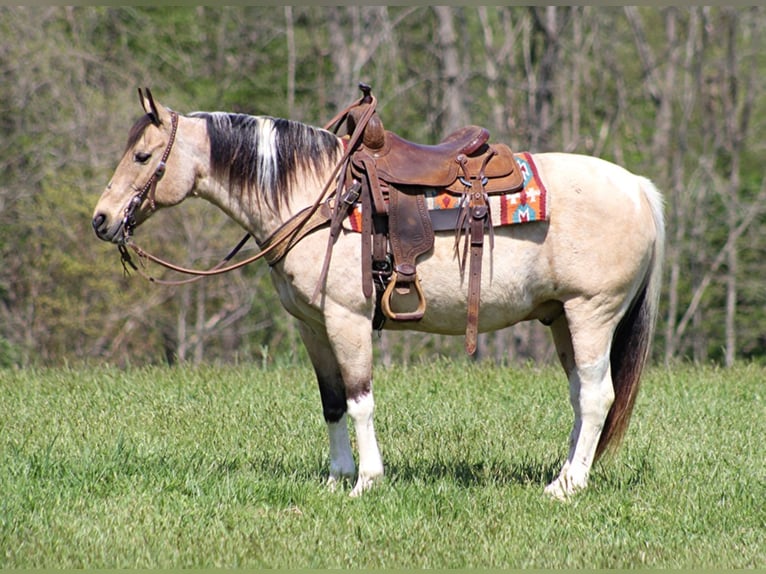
224 467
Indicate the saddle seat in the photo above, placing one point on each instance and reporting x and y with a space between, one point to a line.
462 155
408 163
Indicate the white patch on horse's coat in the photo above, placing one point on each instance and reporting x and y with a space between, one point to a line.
591 394
267 152
360 410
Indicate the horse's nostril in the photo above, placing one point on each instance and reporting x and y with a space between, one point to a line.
98 222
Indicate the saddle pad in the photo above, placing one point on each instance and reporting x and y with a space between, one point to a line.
529 204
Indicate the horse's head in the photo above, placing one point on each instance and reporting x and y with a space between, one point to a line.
140 184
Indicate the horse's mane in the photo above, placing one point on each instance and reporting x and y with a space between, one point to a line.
262 156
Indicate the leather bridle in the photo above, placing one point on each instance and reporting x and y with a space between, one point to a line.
276 246
150 187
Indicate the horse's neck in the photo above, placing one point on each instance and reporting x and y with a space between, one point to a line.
251 209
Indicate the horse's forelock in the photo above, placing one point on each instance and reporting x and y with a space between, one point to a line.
137 131
262 156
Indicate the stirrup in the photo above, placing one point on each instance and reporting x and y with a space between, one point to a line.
407 315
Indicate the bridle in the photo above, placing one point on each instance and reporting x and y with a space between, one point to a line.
150 187
276 246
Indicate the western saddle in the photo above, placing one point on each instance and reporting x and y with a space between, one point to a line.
390 176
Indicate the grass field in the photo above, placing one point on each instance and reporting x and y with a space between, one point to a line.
224 467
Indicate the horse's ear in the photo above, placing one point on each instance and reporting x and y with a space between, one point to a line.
150 107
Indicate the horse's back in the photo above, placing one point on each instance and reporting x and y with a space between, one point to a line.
597 241
605 189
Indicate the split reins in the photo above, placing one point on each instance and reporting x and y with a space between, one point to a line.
273 248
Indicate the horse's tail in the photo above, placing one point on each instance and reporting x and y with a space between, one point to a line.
633 337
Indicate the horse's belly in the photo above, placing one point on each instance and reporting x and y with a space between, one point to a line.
515 286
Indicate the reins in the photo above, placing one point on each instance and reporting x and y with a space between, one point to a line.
273 248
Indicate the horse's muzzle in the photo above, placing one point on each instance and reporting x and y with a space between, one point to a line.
103 230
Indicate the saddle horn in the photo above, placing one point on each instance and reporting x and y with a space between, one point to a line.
374 136
147 102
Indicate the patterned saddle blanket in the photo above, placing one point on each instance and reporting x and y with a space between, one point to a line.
528 205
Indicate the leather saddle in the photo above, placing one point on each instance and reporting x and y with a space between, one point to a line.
390 177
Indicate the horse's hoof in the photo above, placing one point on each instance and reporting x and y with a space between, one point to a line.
556 492
332 483
336 480
363 484
563 488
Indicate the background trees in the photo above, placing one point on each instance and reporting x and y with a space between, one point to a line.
673 93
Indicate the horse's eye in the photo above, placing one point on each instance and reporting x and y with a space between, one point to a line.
141 157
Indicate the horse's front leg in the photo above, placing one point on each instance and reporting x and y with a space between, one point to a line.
360 407
342 357
333 394
350 336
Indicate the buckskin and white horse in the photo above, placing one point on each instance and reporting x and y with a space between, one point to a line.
591 271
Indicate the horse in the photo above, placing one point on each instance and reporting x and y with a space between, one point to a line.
591 272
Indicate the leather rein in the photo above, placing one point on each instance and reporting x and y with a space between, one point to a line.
274 248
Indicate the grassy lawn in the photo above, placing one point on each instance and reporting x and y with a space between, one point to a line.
224 466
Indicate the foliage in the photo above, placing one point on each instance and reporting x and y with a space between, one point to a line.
672 93
214 466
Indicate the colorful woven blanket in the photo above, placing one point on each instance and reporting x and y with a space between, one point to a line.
529 204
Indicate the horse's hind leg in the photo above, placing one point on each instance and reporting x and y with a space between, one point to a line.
583 342
333 396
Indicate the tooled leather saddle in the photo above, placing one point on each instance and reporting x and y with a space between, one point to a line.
389 176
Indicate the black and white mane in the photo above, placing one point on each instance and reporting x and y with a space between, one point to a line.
259 155
262 155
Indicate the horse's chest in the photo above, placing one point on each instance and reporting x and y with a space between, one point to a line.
289 296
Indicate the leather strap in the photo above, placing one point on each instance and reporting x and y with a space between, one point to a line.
276 246
371 173
367 234
369 103
479 214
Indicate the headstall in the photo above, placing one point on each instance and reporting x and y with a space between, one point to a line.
275 247
148 191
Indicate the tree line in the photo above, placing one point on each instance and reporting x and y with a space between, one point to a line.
675 94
